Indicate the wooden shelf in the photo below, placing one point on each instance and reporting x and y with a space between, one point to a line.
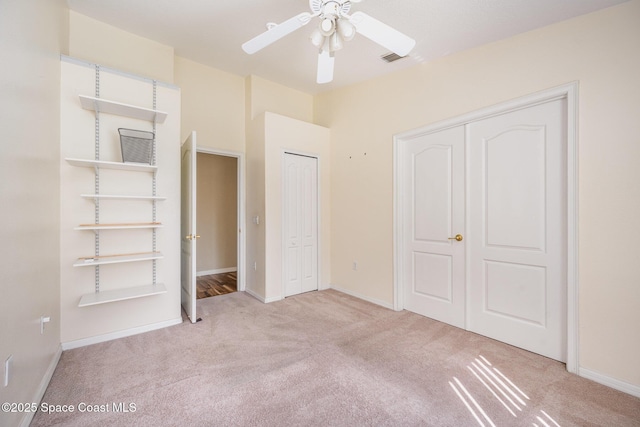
117 259
118 197
96 227
138 167
120 109
121 294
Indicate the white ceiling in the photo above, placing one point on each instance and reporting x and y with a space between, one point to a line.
211 31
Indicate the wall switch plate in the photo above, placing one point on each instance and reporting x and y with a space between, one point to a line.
43 320
8 368
355 265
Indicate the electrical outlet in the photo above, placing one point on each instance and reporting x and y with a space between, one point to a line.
355 265
8 368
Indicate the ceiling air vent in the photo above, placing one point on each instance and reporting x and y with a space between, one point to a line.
390 57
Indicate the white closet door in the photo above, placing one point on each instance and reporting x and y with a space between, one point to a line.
517 244
300 224
434 214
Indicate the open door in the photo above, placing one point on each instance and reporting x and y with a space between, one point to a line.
188 226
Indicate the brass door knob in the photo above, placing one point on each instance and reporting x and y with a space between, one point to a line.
192 236
457 238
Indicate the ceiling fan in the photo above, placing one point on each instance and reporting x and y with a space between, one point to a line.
336 26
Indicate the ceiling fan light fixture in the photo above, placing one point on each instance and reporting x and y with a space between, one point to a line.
346 30
317 39
327 26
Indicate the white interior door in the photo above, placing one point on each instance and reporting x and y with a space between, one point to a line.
513 281
434 215
188 227
300 224
517 288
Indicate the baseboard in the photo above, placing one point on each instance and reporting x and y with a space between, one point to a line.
622 386
362 297
216 271
255 295
261 298
120 334
28 416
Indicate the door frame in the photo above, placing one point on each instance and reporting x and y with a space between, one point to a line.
241 202
570 93
316 156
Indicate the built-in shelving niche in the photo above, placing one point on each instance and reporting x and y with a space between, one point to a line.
106 296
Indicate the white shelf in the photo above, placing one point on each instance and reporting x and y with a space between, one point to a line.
120 109
121 294
138 167
96 227
118 259
119 197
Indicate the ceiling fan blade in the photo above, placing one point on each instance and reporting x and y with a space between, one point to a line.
382 34
325 67
276 33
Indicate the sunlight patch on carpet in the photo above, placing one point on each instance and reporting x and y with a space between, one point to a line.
502 389
464 400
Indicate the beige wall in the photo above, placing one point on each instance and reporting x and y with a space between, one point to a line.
602 52
213 104
266 96
106 45
217 212
286 134
32 35
255 233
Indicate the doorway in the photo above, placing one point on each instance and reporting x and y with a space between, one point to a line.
485 223
218 213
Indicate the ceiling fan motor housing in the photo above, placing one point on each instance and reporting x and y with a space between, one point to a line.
330 7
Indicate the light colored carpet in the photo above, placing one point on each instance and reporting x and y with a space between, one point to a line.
322 359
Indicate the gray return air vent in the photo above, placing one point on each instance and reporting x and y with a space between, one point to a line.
390 57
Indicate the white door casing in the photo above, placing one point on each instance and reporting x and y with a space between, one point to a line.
517 239
300 224
434 213
187 226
